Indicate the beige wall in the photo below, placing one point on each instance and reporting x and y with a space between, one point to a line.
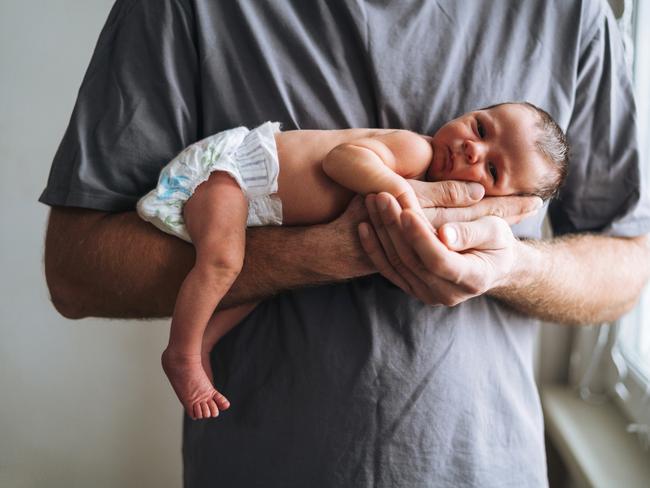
82 404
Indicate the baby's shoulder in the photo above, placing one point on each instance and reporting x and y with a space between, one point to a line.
407 143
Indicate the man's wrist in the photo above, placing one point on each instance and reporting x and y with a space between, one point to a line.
338 245
527 263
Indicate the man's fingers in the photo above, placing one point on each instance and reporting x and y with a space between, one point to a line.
418 252
484 234
387 249
453 276
398 253
356 209
384 255
511 209
447 193
378 225
515 219
371 245
434 255
403 259
430 264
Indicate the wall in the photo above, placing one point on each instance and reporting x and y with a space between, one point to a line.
82 403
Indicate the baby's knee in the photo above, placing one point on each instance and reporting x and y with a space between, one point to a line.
226 261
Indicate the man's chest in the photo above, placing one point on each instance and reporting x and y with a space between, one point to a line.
407 65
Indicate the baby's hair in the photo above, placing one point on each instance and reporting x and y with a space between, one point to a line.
552 145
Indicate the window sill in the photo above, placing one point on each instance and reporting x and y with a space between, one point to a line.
592 441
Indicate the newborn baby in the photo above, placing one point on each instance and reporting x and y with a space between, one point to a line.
216 187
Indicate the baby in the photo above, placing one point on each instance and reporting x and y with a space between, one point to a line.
216 187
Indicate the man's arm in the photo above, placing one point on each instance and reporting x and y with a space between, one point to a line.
580 279
583 279
116 265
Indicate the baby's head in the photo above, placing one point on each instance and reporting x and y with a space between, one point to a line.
510 148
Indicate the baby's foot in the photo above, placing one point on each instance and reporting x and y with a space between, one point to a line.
192 385
207 365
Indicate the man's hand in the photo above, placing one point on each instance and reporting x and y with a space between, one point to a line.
461 261
578 279
457 201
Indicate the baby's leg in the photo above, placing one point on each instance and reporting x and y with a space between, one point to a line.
215 217
219 325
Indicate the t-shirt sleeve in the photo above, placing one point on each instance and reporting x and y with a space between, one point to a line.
605 190
137 107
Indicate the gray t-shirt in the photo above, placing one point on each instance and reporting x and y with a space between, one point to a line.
358 384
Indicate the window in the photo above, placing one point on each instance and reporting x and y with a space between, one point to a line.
613 360
631 352
634 338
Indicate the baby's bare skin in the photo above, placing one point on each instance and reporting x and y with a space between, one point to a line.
320 172
333 166
309 157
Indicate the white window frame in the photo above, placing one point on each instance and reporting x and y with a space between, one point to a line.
600 367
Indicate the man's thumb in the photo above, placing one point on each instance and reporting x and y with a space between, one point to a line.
449 236
485 233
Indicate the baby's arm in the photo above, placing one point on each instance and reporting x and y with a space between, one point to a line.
381 164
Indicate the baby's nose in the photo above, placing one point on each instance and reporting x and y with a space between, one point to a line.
474 151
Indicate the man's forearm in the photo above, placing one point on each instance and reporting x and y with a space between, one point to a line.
116 265
582 279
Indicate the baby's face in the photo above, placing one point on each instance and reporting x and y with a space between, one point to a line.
494 147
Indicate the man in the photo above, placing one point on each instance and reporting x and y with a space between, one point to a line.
357 383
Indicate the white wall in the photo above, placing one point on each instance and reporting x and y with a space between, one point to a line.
81 403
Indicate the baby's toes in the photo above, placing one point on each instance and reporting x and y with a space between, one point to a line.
214 410
205 410
222 401
197 411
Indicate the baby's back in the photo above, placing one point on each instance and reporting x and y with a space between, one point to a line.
308 195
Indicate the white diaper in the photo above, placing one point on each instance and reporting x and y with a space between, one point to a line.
249 156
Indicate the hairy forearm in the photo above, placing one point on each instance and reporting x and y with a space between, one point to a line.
281 258
115 265
582 279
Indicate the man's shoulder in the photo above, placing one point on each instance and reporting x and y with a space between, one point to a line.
151 8
594 14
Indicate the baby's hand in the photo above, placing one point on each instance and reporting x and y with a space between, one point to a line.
409 200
